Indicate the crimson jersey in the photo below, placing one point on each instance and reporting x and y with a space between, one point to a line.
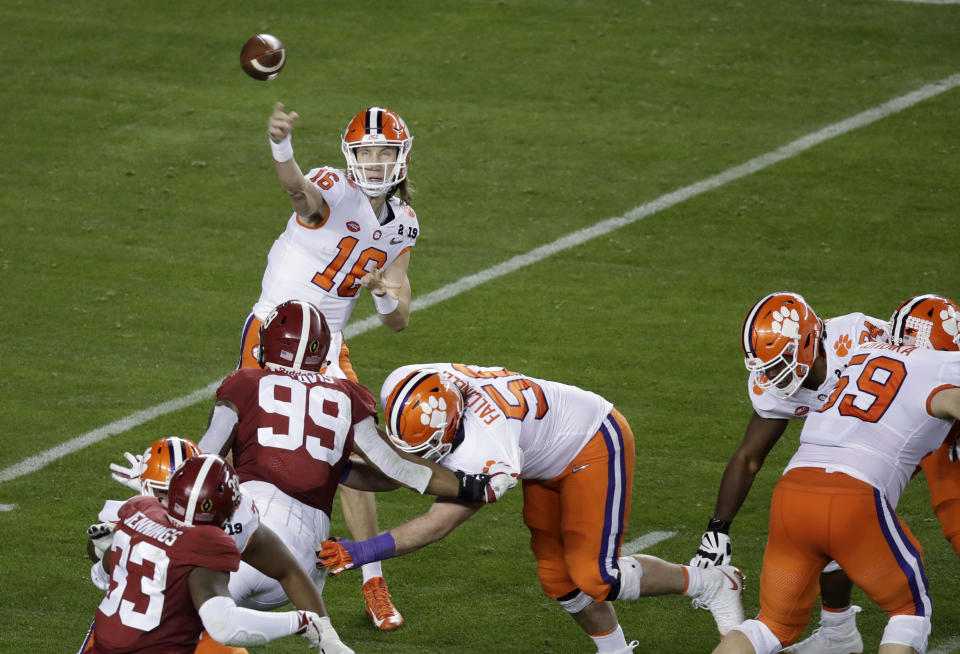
148 606
295 430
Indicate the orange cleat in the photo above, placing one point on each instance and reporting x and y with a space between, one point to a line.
381 610
208 645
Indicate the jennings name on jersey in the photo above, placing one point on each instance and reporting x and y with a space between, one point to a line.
323 264
840 336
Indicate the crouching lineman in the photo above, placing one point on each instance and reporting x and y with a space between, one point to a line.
260 548
169 565
575 454
892 404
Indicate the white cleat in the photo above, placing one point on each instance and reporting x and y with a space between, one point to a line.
723 585
843 638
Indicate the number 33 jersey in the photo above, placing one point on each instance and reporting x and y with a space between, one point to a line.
534 426
323 264
876 424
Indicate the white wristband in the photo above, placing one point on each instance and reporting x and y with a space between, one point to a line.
386 303
282 151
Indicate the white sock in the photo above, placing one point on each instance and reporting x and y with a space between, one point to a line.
837 618
371 570
610 642
694 581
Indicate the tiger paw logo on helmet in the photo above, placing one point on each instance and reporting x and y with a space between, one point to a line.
786 321
950 322
843 345
433 412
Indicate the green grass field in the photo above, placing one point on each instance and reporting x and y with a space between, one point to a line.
138 202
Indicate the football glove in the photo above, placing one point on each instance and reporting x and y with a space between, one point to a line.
502 479
310 628
715 549
341 554
129 477
101 535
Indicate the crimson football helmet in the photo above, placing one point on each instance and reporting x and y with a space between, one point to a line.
781 339
927 322
423 413
381 127
295 336
204 490
160 460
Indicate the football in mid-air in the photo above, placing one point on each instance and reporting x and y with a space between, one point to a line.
263 57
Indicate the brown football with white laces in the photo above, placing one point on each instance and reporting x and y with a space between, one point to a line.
263 57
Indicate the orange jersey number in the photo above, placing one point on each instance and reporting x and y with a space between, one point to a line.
516 387
880 380
350 284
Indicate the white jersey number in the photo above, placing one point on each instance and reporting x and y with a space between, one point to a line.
152 587
328 410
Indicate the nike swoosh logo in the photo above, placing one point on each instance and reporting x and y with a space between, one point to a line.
734 585
579 468
396 241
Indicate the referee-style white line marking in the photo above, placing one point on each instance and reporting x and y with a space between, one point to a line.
34 463
647 540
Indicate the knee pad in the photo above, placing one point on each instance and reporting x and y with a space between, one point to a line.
631 572
910 630
575 602
760 636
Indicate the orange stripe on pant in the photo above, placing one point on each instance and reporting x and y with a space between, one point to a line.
250 343
817 516
577 520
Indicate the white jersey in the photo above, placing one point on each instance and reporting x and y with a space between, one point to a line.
841 335
324 264
245 521
534 426
876 424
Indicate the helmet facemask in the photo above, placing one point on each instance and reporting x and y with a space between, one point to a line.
929 322
378 127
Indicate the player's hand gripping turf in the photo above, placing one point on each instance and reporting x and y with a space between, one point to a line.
129 477
715 549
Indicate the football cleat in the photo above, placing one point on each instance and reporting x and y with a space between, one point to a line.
930 322
722 588
379 607
781 339
843 638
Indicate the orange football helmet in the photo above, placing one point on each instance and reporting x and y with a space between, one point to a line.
927 322
381 127
160 460
781 340
423 413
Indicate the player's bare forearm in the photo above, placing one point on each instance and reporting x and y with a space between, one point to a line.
742 468
443 517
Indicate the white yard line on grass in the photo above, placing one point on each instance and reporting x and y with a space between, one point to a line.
952 645
34 463
647 540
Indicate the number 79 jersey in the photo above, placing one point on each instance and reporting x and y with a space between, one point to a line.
323 264
534 426
876 424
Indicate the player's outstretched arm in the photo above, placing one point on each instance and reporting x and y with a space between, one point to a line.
306 198
742 468
443 517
